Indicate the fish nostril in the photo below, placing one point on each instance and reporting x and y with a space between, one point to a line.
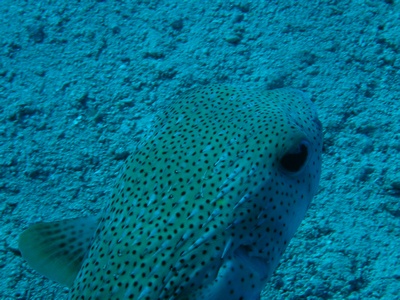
295 159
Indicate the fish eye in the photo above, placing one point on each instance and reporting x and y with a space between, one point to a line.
294 160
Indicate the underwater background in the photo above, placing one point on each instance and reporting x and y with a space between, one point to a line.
80 82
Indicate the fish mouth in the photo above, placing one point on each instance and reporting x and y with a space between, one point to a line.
255 263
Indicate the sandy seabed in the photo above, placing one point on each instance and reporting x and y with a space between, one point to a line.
81 81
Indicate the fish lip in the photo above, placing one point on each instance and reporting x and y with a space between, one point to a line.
255 263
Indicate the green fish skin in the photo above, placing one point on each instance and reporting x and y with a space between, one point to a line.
203 209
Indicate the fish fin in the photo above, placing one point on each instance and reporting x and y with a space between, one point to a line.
57 249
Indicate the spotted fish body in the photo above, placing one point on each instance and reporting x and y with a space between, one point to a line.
204 208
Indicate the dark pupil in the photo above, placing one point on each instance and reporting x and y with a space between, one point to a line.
294 160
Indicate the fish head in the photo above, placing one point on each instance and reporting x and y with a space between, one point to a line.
264 175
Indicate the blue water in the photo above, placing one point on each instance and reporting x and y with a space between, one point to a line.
80 83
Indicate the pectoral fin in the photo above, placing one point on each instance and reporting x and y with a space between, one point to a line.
57 249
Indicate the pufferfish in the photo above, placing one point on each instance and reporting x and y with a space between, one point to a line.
203 209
